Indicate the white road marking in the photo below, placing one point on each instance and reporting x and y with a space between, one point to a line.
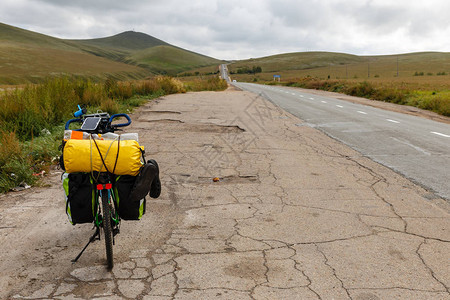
340 106
393 121
311 98
412 146
302 96
440 134
362 112
324 101
293 94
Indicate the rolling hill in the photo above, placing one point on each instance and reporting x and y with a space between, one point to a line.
347 66
298 61
165 58
127 41
147 52
27 56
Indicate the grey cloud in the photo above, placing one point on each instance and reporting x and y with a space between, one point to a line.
251 28
97 5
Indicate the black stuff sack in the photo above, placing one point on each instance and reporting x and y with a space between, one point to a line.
128 210
80 197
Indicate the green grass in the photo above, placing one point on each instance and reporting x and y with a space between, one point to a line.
436 100
209 70
211 83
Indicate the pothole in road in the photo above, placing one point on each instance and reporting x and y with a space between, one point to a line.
161 112
163 121
214 128
206 127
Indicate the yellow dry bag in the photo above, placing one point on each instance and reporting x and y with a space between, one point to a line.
84 156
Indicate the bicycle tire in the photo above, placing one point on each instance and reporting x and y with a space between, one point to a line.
107 229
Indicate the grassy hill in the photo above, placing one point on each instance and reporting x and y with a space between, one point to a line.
171 60
26 56
145 51
346 66
118 47
14 35
298 61
126 41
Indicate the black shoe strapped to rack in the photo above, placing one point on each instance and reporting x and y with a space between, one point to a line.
147 182
155 189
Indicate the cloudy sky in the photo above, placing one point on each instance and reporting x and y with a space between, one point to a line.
239 29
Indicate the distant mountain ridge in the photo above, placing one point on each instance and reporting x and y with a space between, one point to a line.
128 40
27 56
145 51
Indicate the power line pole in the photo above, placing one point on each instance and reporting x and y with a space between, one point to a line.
397 65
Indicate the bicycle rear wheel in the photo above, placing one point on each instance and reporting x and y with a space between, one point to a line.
107 228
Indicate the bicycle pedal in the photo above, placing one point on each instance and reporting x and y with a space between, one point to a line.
116 231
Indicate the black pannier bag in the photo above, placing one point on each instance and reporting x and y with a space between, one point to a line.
130 191
80 197
128 210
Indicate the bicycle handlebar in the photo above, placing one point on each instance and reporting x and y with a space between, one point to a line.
72 121
108 126
79 112
120 115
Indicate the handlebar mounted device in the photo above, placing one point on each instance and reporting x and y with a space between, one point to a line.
100 122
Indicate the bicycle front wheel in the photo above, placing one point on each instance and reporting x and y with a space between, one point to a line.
107 228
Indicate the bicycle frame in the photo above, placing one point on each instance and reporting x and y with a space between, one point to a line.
98 217
106 217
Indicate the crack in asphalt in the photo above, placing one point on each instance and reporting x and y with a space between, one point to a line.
433 274
333 270
161 272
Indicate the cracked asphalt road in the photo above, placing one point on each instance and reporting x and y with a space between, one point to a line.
295 215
